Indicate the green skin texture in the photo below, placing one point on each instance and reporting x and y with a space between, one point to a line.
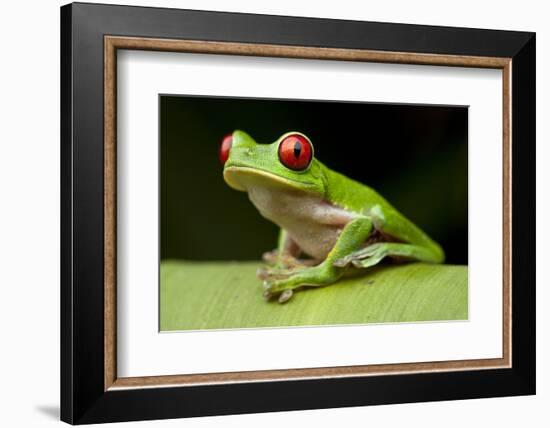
254 167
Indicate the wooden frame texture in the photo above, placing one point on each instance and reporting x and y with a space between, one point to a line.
113 43
513 53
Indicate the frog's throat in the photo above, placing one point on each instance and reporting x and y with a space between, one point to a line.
242 178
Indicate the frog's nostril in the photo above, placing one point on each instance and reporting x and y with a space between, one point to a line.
225 147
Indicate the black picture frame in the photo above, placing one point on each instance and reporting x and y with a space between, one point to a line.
83 396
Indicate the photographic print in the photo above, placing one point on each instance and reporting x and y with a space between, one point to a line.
280 213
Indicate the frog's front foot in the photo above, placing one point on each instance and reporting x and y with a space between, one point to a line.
272 273
284 260
270 257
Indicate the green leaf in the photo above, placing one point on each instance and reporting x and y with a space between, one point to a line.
222 295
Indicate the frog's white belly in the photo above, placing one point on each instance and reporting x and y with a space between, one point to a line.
311 222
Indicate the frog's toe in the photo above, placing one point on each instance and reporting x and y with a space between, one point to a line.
262 273
274 286
285 296
265 273
270 257
273 258
343 262
368 262
363 258
275 273
271 290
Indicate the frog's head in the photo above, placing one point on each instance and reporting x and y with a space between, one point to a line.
287 164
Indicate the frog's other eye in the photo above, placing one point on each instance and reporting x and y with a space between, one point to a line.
225 147
296 152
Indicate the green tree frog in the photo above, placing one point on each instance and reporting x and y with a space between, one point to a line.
330 225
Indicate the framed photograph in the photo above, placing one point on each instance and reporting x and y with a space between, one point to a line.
265 213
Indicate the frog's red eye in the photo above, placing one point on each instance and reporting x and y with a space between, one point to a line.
295 152
225 147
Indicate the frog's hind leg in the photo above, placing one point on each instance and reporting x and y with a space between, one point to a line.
375 253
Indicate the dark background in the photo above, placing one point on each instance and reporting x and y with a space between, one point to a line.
415 156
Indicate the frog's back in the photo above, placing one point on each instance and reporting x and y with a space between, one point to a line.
352 195
361 199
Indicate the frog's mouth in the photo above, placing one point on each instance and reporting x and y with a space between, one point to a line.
242 178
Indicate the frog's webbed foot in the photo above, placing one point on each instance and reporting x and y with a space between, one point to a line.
283 296
373 254
363 258
274 272
273 288
286 271
282 283
273 276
